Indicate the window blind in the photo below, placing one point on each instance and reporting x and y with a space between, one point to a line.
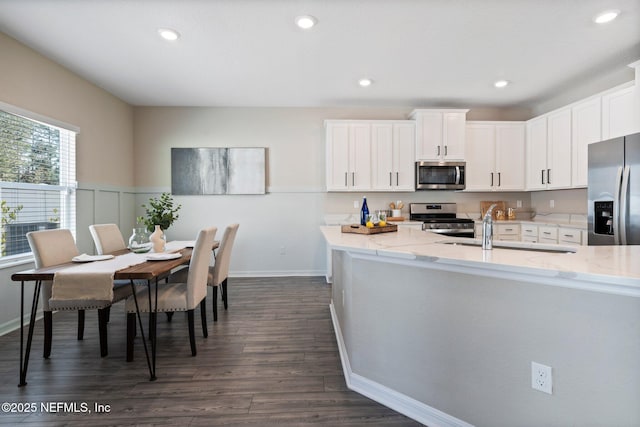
37 180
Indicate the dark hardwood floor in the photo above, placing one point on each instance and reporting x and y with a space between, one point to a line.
271 359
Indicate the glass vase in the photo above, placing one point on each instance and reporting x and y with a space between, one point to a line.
139 241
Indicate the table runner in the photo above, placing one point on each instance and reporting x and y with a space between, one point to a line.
92 280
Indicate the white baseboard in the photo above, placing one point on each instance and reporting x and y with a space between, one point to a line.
277 273
386 396
14 324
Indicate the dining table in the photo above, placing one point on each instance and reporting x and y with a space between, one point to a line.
148 271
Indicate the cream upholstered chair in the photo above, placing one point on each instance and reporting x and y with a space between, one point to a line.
107 238
53 247
184 296
219 272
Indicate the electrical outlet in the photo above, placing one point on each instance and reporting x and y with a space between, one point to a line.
518 203
552 204
541 378
356 204
283 250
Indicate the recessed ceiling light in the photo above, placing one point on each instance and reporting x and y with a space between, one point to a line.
606 16
501 83
306 21
168 34
365 82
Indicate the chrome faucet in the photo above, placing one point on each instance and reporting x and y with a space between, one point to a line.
487 228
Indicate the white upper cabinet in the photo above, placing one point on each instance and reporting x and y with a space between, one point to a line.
510 155
366 155
348 155
536 153
495 153
619 116
440 134
393 158
586 128
559 149
549 151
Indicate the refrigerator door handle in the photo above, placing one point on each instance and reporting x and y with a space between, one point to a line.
616 208
623 206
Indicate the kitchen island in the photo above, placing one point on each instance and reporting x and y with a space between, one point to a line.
446 334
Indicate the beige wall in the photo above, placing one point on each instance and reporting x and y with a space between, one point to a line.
104 147
32 82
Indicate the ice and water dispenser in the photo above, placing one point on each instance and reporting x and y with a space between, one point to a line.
603 218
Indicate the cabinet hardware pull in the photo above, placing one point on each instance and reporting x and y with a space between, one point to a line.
492 179
499 179
548 176
546 232
345 179
568 235
445 150
397 178
438 151
390 178
353 179
508 229
542 181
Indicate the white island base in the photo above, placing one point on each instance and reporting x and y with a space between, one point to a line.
451 346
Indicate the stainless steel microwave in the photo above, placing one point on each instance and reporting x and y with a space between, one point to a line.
440 175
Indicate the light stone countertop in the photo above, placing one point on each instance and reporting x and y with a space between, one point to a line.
610 269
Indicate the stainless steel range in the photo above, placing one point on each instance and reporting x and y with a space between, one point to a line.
441 218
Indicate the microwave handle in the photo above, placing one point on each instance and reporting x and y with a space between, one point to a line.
457 175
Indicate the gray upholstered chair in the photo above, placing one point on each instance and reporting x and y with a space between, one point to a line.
183 296
219 272
53 247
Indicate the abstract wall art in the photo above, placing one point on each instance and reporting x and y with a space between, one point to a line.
202 171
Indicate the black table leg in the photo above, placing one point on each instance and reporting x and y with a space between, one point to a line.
24 357
152 371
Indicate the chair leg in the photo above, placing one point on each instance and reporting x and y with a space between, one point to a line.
80 325
215 303
203 317
224 293
169 316
48 333
103 318
108 311
131 333
192 333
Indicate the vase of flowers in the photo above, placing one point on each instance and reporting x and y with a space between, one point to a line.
160 214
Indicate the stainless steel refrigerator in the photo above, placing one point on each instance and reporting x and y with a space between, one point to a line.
614 191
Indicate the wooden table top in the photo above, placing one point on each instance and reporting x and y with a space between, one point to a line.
146 270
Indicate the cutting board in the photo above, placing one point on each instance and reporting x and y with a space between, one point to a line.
361 229
484 207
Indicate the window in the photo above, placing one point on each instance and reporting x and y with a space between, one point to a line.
37 178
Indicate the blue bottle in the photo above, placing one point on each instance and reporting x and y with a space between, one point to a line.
364 212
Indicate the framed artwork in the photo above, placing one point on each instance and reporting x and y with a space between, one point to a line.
202 171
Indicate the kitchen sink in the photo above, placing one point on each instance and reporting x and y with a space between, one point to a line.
522 246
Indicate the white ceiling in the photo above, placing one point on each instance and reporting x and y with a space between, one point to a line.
250 53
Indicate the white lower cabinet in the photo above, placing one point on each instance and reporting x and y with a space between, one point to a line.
507 231
569 236
529 233
548 234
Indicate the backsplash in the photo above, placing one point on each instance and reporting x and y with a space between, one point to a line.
533 203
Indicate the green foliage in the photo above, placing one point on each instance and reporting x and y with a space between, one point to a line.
8 216
161 211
